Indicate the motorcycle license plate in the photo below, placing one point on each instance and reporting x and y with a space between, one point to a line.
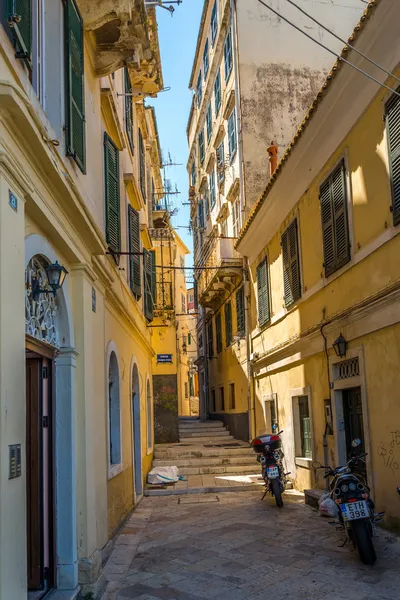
272 472
355 510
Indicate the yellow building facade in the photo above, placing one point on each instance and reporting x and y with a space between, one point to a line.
322 244
78 163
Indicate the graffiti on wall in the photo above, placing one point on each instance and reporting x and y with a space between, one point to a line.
387 451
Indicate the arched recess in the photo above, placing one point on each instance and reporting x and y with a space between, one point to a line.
114 431
136 431
64 422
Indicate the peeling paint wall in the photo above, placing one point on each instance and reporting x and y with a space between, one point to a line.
280 72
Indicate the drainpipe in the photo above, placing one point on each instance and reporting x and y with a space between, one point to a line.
250 377
238 108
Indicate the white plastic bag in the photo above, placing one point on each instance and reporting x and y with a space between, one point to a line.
327 507
163 475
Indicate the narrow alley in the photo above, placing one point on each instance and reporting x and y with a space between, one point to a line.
234 546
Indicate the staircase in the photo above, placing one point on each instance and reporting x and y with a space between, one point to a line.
210 460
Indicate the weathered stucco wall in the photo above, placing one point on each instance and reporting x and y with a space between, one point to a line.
165 389
280 72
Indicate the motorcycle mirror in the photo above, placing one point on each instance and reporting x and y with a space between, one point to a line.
281 431
316 465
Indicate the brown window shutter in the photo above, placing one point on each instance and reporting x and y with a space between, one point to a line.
393 131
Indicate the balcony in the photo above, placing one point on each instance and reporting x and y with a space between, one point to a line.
223 273
124 33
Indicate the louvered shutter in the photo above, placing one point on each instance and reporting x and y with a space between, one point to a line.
393 130
263 293
134 246
201 215
218 326
148 284
142 166
74 86
240 314
112 185
129 109
335 226
291 264
19 16
228 323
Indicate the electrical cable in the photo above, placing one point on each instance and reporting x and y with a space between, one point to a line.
380 83
343 41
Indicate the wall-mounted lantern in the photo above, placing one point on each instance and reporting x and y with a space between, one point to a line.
340 346
56 275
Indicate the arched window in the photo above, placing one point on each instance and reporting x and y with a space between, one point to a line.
114 412
149 417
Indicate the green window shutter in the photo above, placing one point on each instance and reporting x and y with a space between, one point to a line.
142 166
228 323
240 314
305 428
19 17
393 131
128 109
335 227
74 86
149 284
263 293
112 191
134 246
218 326
291 264
153 278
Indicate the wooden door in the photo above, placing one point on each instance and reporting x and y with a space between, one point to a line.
33 473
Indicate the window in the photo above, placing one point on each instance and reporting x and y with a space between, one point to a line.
182 264
74 82
186 390
149 283
212 189
228 323
228 55
134 246
210 340
128 109
236 217
222 399
271 421
232 401
393 134
291 264
142 166
263 293
232 135
149 417
240 314
183 300
304 443
200 342
206 63
114 412
189 338
214 23
201 214
209 123
21 27
191 385
217 92
218 327
335 229
199 89
201 146
193 173
221 162
112 197
206 200
213 401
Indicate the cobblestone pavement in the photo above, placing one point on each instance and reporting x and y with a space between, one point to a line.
234 546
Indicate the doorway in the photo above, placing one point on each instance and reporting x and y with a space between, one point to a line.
39 476
137 441
353 417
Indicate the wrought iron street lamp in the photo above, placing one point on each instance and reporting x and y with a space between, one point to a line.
340 346
56 275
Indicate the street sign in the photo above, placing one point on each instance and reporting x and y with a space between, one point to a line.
164 358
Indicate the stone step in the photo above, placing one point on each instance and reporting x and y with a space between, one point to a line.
249 487
220 470
209 461
218 439
219 428
204 433
202 425
191 451
311 497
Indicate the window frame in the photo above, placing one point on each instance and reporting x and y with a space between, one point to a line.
214 23
199 89
267 319
220 156
296 394
209 127
206 59
217 92
236 214
228 55
114 468
213 191
202 152
232 135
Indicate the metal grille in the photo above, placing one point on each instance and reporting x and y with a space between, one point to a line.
348 368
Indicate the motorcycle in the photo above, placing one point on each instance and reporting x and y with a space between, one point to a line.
356 509
270 456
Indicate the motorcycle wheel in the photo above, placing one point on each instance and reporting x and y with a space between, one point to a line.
362 537
276 491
